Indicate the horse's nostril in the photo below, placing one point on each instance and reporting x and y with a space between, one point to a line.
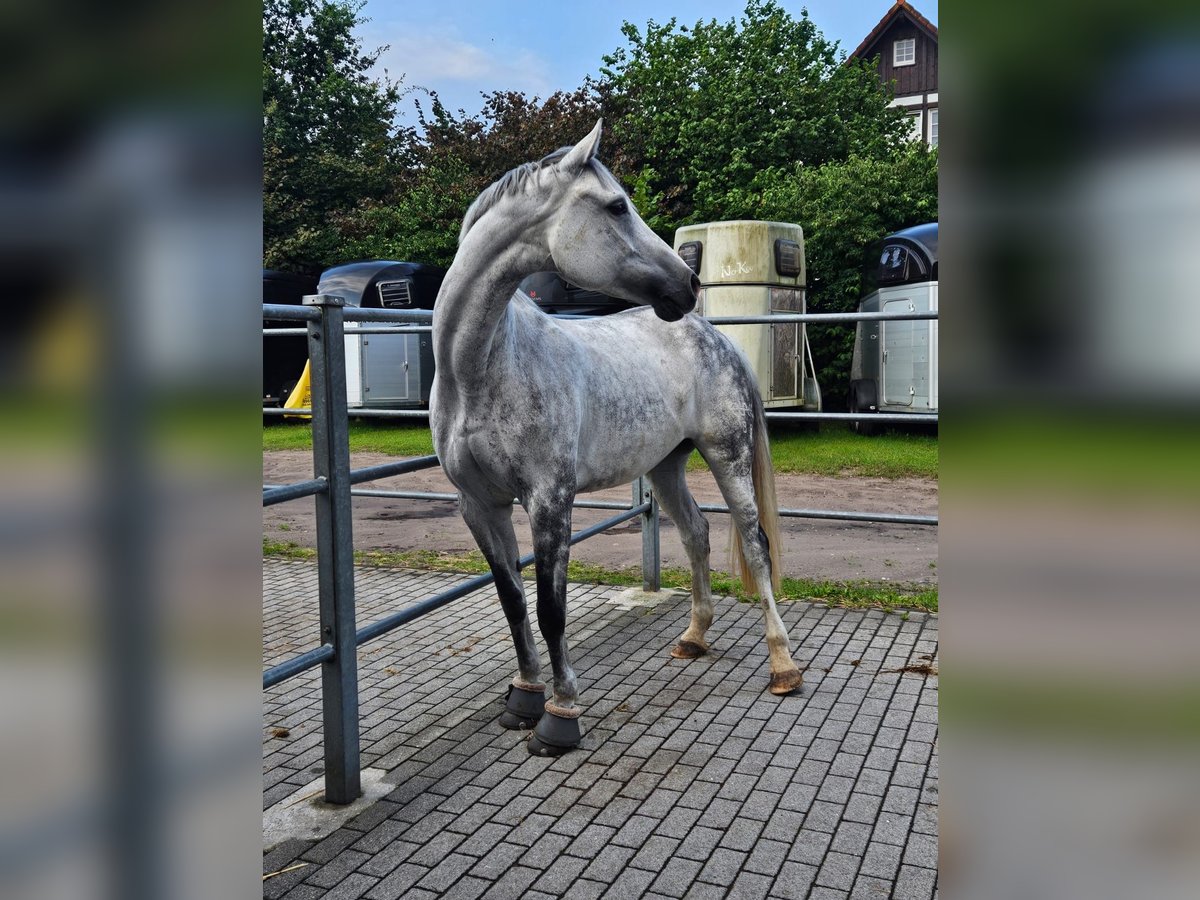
695 285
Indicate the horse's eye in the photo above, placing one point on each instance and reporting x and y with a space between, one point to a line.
618 207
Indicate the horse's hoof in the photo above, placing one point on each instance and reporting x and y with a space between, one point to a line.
555 735
688 650
522 708
537 748
785 682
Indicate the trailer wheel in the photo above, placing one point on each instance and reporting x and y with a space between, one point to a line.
864 399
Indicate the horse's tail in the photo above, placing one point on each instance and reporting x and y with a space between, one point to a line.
763 475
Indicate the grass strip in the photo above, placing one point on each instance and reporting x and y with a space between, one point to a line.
833 450
844 594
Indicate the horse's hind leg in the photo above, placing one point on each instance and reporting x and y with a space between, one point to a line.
732 473
670 487
493 531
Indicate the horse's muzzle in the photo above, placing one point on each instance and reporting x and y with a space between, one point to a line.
673 308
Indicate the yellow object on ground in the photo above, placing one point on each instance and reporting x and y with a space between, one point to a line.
301 395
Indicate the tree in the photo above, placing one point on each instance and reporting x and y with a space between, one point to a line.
698 113
328 137
456 157
844 207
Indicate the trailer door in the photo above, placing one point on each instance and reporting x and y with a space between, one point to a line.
905 380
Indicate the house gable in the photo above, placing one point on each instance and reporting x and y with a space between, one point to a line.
902 22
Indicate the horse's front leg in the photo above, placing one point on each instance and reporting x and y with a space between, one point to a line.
491 524
550 518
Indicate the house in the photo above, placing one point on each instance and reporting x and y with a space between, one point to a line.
905 46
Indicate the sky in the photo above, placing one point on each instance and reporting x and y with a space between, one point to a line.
462 47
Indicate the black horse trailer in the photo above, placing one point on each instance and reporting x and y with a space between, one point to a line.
285 356
556 296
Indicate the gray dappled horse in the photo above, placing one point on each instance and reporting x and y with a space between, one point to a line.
542 409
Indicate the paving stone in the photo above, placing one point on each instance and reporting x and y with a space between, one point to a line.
352 887
585 890
447 872
700 843
750 886
630 883
810 847
799 797
922 850
823 816
704 891
678 822
562 874
742 834
881 861
677 876
384 861
691 781
498 861
483 840
824 893
328 849
635 831
868 888
608 862
722 866
891 828
915 884
901 800
513 885
851 837
838 871
546 851
721 813
767 857
396 884
334 872
794 881
591 841
783 826
305 892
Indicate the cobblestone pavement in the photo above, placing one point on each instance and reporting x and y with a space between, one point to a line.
692 780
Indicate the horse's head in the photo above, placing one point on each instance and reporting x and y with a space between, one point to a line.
599 242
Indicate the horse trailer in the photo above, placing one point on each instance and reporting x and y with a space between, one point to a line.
749 268
895 363
284 357
558 297
384 370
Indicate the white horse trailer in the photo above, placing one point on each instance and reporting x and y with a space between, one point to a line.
386 370
895 364
750 268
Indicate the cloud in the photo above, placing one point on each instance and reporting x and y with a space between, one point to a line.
439 59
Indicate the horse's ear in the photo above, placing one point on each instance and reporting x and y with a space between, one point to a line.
583 152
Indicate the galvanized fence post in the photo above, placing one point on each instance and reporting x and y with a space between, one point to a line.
335 549
651 558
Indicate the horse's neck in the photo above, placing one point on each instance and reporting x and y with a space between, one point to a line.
471 310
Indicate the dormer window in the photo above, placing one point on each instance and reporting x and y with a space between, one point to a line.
904 53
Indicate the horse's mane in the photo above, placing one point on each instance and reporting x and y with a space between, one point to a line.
510 182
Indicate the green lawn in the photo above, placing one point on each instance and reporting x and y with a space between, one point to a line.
393 438
834 450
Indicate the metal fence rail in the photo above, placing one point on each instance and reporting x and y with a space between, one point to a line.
324 319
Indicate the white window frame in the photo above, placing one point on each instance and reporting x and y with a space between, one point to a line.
910 58
914 120
932 130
